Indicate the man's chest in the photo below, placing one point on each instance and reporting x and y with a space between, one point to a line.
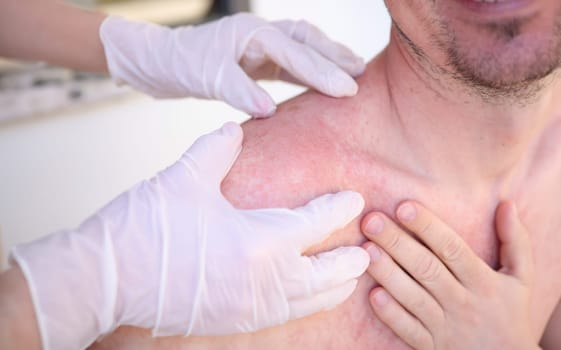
287 178
540 211
470 211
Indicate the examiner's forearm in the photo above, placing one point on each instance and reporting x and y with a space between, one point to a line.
18 326
51 31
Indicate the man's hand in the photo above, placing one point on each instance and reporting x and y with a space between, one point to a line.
441 295
219 60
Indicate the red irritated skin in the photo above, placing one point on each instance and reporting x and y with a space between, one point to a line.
315 145
442 117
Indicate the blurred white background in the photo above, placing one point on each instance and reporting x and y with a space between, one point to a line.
55 170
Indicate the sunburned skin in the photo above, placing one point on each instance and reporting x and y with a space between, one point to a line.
315 144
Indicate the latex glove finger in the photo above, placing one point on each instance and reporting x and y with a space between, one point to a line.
516 248
308 34
241 92
324 301
305 64
322 216
327 270
212 155
444 242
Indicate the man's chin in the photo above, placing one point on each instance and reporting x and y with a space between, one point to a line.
503 79
502 88
506 73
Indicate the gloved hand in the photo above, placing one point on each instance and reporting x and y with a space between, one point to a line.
218 60
172 254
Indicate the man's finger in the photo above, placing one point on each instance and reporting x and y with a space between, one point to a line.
323 215
443 241
516 249
323 301
422 264
313 37
405 326
403 288
212 155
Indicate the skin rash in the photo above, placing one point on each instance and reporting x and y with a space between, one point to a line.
422 127
279 166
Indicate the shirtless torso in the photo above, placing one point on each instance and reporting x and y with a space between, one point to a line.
317 144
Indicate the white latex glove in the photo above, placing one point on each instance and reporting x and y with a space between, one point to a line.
172 254
219 60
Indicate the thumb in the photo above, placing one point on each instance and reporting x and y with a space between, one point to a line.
515 250
212 155
323 215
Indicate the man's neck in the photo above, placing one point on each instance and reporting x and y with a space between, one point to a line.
452 133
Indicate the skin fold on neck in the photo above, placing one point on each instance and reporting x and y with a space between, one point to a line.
451 133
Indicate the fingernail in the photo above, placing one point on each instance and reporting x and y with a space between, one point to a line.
374 253
406 212
359 67
341 84
262 105
354 200
269 112
381 298
375 225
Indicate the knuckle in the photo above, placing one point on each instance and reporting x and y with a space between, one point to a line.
303 25
462 297
464 305
383 272
427 268
426 227
489 290
452 249
417 336
426 342
300 30
439 317
472 320
419 304
395 242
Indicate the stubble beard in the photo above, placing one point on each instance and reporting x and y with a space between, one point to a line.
515 77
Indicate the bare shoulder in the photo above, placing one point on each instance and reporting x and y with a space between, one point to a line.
289 158
309 147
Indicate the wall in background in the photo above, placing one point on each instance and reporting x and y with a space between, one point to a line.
362 25
55 170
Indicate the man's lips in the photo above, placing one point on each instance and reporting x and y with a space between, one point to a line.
499 8
490 1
